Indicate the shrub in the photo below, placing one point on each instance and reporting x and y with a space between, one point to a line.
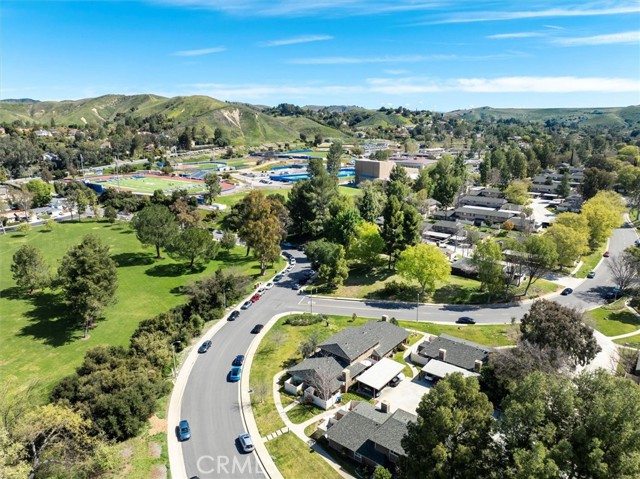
305 319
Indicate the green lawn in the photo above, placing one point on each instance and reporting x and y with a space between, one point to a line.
591 261
631 341
295 459
234 198
613 322
490 335
40 343
350 190
380 283
151 183
303 412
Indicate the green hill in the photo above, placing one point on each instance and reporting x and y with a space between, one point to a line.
244 123
310 127
619 117
383 119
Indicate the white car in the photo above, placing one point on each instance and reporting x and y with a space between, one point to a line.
262 290
269 285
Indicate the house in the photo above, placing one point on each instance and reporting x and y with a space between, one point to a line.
340 361
446 354
480 200
479 214
464 268
42 133
368 435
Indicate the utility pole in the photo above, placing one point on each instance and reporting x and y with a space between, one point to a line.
418 306
173 348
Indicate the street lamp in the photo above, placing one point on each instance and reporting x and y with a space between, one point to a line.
418 306
173 348
311 288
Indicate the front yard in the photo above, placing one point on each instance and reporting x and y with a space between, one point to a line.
614 319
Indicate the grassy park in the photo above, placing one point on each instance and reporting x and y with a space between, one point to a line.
46 344
150 183
614 319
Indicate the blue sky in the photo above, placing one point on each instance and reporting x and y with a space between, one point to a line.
426 54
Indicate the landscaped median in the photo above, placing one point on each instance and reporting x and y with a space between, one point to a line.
279 350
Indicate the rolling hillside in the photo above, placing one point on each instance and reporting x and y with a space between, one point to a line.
628 117
243 123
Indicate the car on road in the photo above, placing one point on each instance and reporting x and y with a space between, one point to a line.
246 444
566 291
238 360
591 275
606 254
296 286
247 304
204 347
257 328
255 297
269 285
234 315
395 381
235 374
292 261
184 431
262 290
278 277
465 320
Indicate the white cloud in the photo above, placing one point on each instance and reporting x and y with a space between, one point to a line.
608 39
400 59
489 16
396 72
296 40
199 52
500 36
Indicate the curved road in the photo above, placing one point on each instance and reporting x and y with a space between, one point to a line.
211 404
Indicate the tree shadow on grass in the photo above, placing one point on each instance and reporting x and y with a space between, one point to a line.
50 321
13 293
173 270
133 259
126 232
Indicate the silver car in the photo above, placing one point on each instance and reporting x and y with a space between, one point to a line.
245 442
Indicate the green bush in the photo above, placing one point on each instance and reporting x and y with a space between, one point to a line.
305 319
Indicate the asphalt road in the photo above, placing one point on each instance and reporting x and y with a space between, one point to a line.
211 403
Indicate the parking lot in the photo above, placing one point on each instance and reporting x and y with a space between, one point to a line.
406 395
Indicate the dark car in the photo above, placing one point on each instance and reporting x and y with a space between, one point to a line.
396 380
591 275
465 320
234 315
566 292
184 432
257 328
204 347
606 254
238 360
247 304
296 286
278 277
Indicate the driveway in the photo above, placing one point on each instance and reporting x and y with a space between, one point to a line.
406 395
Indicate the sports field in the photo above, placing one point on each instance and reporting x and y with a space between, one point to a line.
149 183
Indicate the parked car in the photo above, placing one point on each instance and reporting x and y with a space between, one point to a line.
566 292
262 290
238 360
591 275
184 431
245 442
395 381
247 304
257 328
465 320
606 254
235 374
204 347
269 285
296 286
255 297
234 315
292 261
278 277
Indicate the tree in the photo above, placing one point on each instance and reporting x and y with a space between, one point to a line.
228 240
517 192
380 155
57 438
564 188
570 244
367 245
207 297
371 202
41 192
551 325
411 146
595 180
309 345
624 269
23 199
446 180
629 179
155 225
50 224
329 260
89 279
221 138
194 244
423 182
487 258
425 264
399 184
452 436
212 181
392 229
381 473
603 213
537 255
110 214
342 228
333 159
29 268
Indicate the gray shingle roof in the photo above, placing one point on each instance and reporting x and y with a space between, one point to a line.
307 370
391 432
351 343
460 353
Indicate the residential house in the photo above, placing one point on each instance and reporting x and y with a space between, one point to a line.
482 214
480 200
341 359
446 354
368 435
42 133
